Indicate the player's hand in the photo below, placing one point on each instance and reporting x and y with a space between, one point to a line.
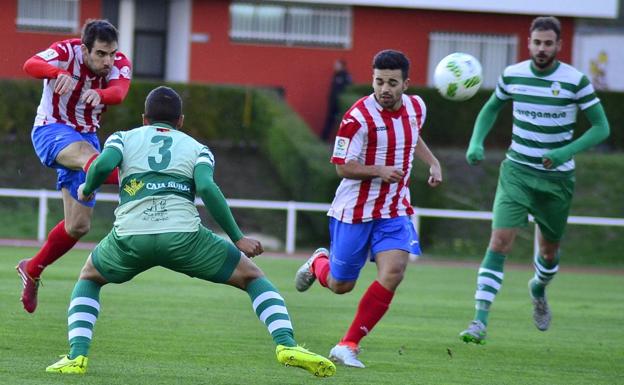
82 196
91 97
391 174
250 247
474 154
64 83
554 158
435 175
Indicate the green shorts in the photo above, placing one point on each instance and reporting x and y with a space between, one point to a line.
545 195
200 254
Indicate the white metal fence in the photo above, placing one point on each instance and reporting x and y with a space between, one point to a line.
291 208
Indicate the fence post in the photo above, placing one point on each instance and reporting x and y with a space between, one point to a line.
43 215
291 226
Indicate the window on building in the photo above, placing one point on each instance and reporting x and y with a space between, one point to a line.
150 39
494 52
48 15
300 25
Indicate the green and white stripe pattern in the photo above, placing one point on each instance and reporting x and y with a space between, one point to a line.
544 274
84 309
270 308
489 283
545 109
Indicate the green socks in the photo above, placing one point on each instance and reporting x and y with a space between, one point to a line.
81 316
489 281
544 272
271 310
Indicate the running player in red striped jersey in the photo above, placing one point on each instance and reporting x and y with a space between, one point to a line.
373 153
80 78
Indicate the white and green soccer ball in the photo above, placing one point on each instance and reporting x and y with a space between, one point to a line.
458 76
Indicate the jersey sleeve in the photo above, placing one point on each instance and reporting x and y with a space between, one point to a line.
58 54
48 64
115 141
205 157
349 140
501 91
122 68
421 111
585 94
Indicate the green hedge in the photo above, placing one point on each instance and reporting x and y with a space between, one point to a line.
260 118
450 123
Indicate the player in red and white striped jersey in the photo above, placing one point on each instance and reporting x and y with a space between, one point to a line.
80 78
373 153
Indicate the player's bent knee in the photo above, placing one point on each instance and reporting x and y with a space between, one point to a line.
78 230
500 245
341 287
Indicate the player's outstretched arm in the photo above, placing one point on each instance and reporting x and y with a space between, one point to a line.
41 69
423 153
598 132
99 170
484 123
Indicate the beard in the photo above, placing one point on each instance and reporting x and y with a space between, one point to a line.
542 62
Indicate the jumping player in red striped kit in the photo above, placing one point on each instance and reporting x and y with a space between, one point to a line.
80 78
373 153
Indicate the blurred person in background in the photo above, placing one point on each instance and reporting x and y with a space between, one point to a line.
340 80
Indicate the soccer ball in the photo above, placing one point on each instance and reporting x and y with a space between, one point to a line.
458 76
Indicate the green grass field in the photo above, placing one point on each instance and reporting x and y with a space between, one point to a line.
165 328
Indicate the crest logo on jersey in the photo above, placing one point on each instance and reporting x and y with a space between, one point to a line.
555 88
340 147
157 212
413 122
48 54
133 187
125 72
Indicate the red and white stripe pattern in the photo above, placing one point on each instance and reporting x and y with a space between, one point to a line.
67 108
374 136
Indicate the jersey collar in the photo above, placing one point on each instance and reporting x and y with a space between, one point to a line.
163 125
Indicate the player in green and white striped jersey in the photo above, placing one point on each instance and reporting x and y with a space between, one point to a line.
537 176
161 169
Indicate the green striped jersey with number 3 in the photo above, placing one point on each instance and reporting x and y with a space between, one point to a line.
157 191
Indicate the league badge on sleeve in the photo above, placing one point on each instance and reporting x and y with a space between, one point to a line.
340 147
48 54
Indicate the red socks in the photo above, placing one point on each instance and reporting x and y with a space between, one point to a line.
373 305
112 178
57 244
320 268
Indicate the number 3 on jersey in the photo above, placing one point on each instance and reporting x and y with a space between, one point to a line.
163 151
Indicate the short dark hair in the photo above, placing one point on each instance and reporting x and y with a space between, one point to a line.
390 59
546 23
98 29
163 104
